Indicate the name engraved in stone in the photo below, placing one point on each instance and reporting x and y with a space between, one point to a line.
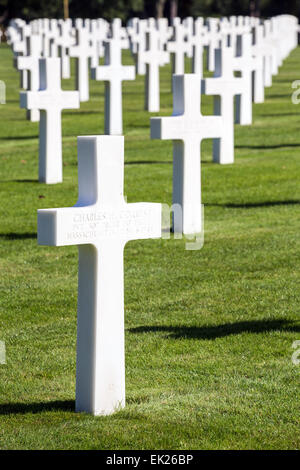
109 224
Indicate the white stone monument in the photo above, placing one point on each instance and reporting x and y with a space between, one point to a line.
178 47
259 54
224 86
139 45
214 37
153 56
198 40
118 33
50 100
101 223
246 64
64 42
113 73
31 64
187 128
82 52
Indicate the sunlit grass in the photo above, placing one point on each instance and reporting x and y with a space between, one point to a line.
208 333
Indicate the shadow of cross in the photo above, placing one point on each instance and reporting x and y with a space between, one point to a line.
101 223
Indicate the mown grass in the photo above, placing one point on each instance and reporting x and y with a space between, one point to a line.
208 333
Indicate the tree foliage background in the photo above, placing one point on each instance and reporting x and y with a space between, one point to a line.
30 9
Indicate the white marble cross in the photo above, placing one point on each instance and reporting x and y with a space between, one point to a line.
64 41
224 86
178 48
188 25
31 63
96 40
82 51
215 38
246 64
187 127
113 73
118 33
259 54
164 35
139 45
132 28
101 223
152 57
198 39
272 45
50 100
19 48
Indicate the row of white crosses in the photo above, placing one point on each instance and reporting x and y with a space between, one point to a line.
152 40
248 60
102 222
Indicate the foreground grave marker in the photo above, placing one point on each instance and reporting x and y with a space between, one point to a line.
50 100
187 128
101 223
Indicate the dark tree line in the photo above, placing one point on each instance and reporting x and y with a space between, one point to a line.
30 9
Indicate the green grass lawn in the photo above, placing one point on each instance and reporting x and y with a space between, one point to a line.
209 333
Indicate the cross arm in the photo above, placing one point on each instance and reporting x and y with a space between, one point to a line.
44 100
70 100
102 72
166 128
26 63
108 72
220 87
94 224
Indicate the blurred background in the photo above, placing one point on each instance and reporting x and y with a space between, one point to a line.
108 9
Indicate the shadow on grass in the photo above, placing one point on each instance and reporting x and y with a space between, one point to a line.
220 331
148 162
26 181
266 147
281 95
278 115
20 137
80 113
18 236
251 205
23 408
159 162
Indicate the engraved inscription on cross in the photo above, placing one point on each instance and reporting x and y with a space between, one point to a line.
101 223
187 127
50 99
